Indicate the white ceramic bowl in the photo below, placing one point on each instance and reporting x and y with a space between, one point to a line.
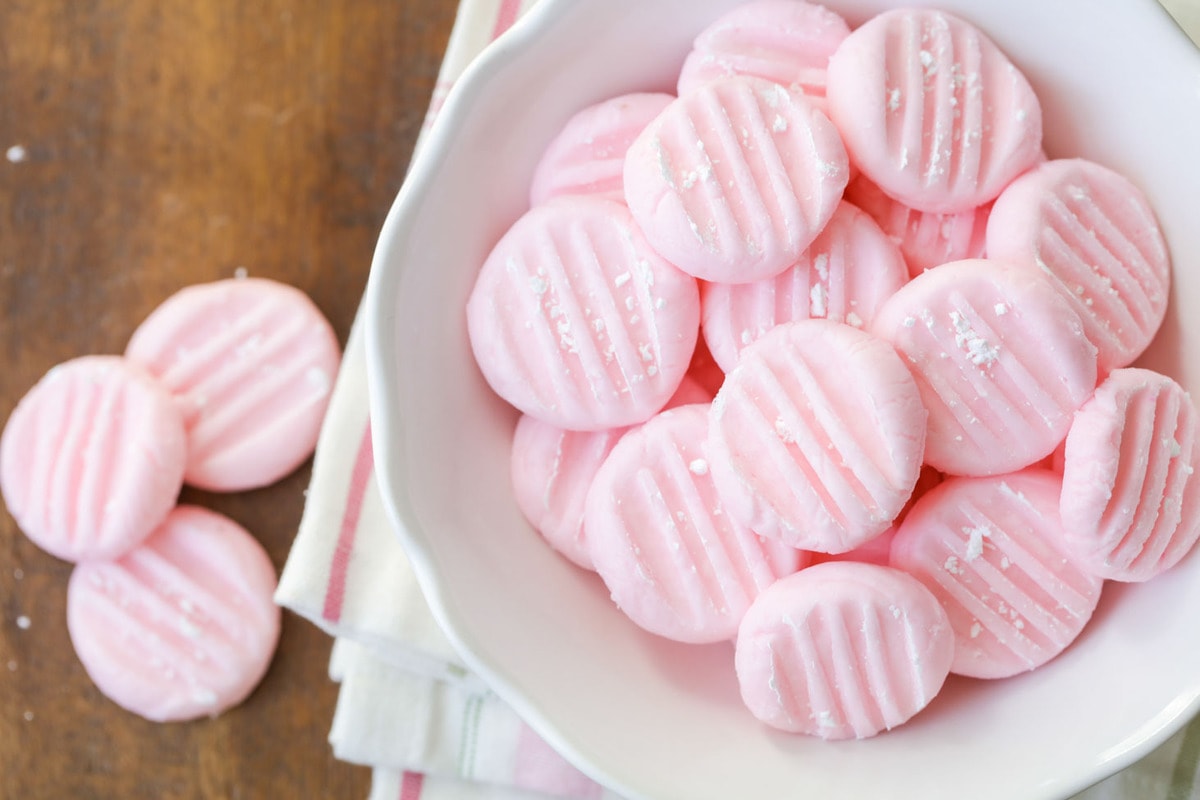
656 719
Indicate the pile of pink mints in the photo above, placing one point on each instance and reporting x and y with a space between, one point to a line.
170 607
901 437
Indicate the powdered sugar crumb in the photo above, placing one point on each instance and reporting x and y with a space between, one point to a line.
783 431
978 349
821 265
975 537
818 298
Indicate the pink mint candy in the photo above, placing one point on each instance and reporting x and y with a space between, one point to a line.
734 180
252 364
843 276
842 651
92 458
993 551
926 239
588 154
552 470
182 626
575 320
1094 233
932 111
1000 359
817 435
788 42
1130 500
675 562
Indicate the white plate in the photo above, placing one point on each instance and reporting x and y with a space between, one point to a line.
1119 83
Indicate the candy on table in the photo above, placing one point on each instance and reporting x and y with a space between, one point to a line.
844 276
842 650
675 563
993 551
574 319
733 180
926 239
251 362
1130 502
588 154
932 111
817 436
1096 235
1000 359
553 468
182 626
92 458
788 42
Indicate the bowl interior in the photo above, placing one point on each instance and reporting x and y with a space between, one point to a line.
657 719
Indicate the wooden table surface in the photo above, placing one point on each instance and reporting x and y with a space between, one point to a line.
149 146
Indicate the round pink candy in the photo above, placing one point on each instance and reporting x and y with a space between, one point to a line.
1130 498
926 239
588 154
575 320
675 563
552 470
1094 233
92 458
932 111
993 551
816 436
252 363
842 650
182 626
732 181
1000 359
843 276
788 42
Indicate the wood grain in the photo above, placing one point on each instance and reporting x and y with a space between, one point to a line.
166 144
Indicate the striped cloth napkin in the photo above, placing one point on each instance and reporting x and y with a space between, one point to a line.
407 706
